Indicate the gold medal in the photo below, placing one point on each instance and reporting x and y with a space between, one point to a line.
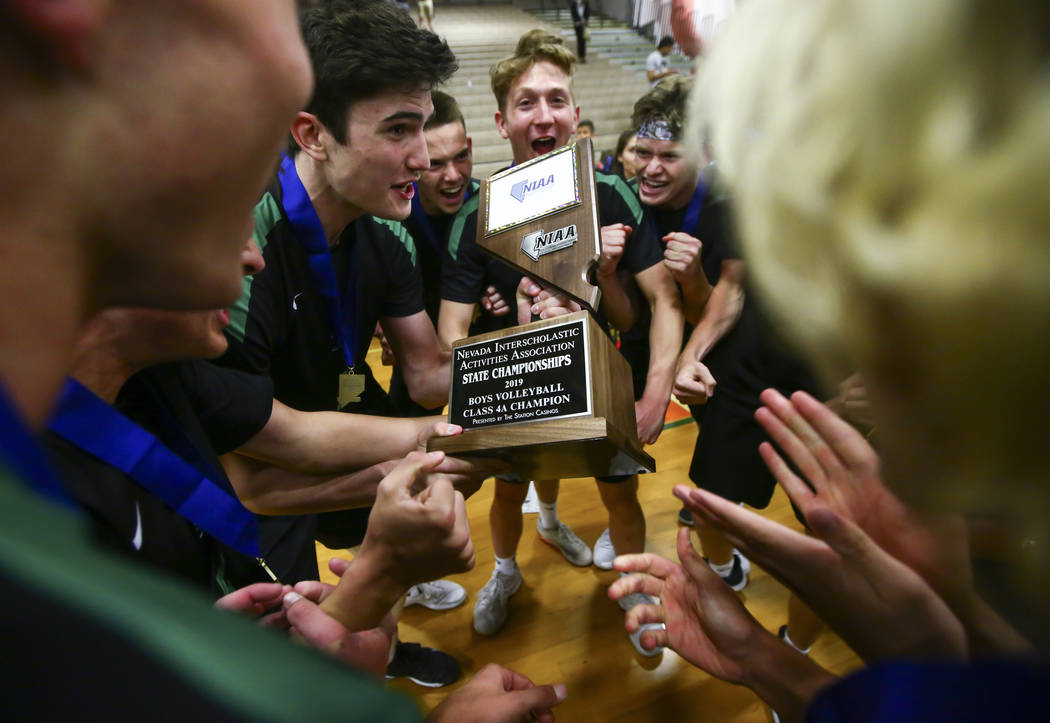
350 387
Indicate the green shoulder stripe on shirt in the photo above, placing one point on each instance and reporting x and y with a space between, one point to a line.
620 186
402 234
455 233
267 213
224 658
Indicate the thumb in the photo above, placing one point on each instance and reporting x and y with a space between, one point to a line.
310 621
627 229
694 565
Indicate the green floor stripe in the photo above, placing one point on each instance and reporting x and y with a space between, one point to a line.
678 422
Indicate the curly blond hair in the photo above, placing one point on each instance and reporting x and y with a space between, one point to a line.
889 164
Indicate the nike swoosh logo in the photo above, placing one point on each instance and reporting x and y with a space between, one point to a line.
295 306
136 540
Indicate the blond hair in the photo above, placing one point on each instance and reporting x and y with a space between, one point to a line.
534 46
889 167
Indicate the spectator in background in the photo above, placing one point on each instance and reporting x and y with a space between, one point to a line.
426 12
657 66
625 162
581 15
585 129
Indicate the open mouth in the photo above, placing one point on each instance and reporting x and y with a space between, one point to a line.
405 190
452 194
651 187
546 144
224 317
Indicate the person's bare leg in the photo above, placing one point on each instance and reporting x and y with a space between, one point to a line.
626 518
714 546
803 626
505 516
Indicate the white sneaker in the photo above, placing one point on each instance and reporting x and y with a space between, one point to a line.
565 540
628 602
436 595
490 609
604 554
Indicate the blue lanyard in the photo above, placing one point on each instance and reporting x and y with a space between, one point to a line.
310 235
86 421
692 212
419 215
21 453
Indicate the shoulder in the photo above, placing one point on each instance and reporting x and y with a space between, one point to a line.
464 224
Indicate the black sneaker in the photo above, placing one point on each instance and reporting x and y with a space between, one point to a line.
423 666
737 577
685 517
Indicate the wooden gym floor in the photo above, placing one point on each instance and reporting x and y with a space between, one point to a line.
563 627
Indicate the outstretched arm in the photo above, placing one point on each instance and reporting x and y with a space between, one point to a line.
708 625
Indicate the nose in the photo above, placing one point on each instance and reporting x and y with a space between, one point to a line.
543 116
418 157
251 258
450 173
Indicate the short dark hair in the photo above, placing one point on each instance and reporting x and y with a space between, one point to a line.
588 123
446 110
667 102
362 48
665 41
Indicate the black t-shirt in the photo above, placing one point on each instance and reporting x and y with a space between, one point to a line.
280 325
751 356
467 267
197 410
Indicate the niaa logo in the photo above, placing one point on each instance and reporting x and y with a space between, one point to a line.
519 189
538 243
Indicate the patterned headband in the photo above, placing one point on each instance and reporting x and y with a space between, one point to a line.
660 130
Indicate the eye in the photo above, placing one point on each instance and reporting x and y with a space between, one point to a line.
398 130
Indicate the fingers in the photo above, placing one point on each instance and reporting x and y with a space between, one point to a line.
412 469
313 624
843 439
338 565
313 590
646 562
799 440
253 599
641 615
637 582
797 490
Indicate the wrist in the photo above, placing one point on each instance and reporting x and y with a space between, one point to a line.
365 593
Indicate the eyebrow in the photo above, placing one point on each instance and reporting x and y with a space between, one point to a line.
404 115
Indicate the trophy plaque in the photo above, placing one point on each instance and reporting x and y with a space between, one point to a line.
554 397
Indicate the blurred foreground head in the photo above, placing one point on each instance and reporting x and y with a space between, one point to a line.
891 169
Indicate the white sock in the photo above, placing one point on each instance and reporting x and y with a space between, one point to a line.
725 568
789 641
549 514
506 566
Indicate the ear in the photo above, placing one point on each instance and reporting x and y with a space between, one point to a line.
470 146
577 116
65 29
501 125
308 132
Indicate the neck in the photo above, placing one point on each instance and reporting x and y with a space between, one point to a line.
44 281
685 196
99 366
333 211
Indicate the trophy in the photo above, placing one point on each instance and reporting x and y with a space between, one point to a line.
554 398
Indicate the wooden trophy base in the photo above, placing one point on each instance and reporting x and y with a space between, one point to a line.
553 398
